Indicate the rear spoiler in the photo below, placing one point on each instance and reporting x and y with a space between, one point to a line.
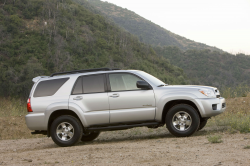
38 78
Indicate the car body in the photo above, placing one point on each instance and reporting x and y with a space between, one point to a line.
107 99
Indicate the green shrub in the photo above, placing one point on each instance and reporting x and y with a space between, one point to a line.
214 139
247 147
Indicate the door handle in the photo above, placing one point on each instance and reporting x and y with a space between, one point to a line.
114 95
78 98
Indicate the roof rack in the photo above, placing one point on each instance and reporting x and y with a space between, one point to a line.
83 71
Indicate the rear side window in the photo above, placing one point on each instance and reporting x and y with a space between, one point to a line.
89 84
49 87
93 84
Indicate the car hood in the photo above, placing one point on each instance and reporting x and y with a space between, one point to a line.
190 89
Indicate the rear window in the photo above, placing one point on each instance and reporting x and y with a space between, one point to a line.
49 87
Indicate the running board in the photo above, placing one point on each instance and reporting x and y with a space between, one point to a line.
124 126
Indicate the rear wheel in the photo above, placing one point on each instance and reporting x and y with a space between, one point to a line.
66 130
90 136
182 120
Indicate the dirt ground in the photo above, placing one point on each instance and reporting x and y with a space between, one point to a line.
140 146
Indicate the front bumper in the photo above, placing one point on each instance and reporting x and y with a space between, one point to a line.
211 106
35 121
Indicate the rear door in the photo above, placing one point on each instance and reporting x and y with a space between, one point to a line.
127 102
90 94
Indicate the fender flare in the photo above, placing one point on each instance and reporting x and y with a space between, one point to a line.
173 96
64 106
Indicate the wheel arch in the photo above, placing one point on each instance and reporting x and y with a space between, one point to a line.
173 103
57 113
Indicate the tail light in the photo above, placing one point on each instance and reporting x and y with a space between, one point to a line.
29 106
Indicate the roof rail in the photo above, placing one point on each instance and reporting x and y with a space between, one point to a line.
82 71
38 78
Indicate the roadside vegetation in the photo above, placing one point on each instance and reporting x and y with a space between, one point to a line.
247 147
214 138
236 116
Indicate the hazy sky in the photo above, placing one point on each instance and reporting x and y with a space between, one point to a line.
221 23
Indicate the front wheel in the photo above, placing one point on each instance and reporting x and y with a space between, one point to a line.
182 120
66 130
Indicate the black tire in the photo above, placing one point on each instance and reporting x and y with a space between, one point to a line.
202 124
182 129
67 120
90 136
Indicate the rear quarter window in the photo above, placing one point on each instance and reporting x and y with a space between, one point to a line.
49 87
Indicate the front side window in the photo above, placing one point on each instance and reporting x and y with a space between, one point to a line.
123 82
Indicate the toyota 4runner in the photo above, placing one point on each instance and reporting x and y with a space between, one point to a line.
78 105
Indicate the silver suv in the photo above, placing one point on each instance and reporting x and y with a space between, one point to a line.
78 105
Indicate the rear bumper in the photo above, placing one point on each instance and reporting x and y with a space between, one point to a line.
35 121
212 107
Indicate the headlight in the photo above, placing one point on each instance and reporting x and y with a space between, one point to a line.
207 93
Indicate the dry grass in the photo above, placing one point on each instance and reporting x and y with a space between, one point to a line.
12 107
12 119
237 115
235 119
14 127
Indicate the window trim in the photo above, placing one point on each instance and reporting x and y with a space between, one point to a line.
104 81
80 77
109 87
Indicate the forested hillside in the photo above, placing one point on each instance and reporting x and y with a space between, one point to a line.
210 67
39 37
147 31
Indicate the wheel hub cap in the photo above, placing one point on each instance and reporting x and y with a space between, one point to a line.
181 121
65 131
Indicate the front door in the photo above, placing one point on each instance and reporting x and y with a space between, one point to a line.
89 93
127 102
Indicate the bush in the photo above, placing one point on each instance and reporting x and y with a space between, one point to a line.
247 147
215 139
240 122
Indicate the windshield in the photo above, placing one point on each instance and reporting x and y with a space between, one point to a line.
152 79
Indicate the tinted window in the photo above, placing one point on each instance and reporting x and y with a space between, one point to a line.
123 81
78 87
93 84
49 87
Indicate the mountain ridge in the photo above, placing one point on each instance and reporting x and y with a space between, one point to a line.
147 31
223 69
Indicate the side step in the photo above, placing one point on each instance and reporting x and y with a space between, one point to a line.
123 126
39 132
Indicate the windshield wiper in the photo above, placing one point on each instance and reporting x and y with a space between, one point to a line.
162 85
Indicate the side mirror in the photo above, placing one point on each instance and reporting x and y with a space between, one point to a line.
143 85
